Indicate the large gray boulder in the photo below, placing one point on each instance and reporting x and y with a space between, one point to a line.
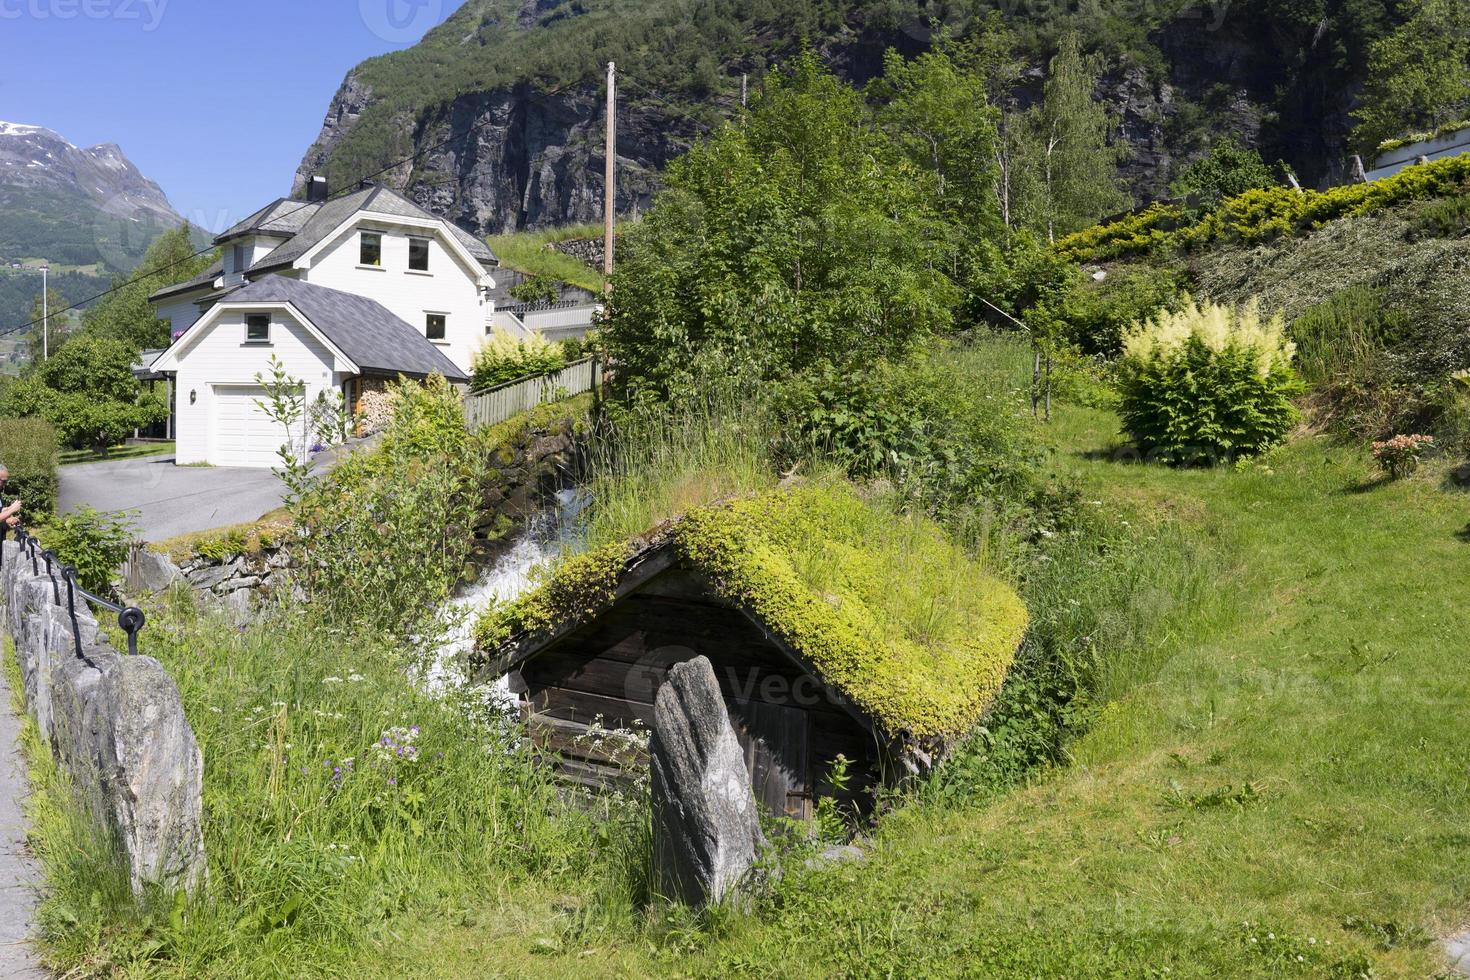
148 572
706 829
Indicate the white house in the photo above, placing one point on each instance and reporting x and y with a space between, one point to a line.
343 292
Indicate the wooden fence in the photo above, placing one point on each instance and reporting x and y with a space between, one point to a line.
494 405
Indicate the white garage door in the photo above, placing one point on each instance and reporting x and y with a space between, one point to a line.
243 434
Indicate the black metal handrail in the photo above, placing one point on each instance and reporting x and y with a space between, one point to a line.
130 619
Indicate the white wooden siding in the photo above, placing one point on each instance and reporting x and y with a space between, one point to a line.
220 357
448 287
181 314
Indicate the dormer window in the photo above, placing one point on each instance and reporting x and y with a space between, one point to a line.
418 254
371 250
240 257
257 329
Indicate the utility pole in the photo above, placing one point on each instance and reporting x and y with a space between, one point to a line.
744 87
45 315
610 189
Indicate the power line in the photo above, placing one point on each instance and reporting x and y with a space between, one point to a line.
355 187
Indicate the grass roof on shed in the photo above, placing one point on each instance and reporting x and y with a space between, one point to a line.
884 606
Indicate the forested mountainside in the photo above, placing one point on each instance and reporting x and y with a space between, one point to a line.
526 75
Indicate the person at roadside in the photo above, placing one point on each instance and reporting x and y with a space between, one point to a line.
11 512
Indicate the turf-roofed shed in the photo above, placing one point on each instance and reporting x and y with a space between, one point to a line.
835 626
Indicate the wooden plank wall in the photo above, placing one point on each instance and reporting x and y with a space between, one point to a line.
609 671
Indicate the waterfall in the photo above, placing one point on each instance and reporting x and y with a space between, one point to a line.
554 531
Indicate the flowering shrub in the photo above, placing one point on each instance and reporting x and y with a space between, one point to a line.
1208 383
505 358
1400 455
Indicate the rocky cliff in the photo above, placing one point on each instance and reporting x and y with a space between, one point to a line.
524 149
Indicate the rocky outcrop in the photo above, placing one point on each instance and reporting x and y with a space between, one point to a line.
532 463
115 723
238 580
706 828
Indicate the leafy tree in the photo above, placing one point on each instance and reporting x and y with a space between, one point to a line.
536 289
87 390
1228 170
125 314
1069 132
938 114
793 238
1418 76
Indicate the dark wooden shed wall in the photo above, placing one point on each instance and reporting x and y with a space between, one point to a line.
790 725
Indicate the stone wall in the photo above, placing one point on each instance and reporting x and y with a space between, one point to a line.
115 723
239 580
536 458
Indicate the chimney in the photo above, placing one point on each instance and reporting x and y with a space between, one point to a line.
316 190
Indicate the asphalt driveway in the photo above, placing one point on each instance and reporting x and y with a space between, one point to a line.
171 500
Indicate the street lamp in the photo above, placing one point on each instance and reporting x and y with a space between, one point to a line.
45 315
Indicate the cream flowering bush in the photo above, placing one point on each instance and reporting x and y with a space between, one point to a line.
503 358
1208 383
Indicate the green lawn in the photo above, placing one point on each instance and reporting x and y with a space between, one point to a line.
1280 787
70 457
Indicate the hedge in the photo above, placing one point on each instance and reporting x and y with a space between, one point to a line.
28 449
1261 215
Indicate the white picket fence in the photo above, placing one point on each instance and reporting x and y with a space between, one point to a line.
495 405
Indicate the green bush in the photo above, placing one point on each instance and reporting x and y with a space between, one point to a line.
385 536
1447 217
1097 313
920 422
505 358
87 390
28 449
93 542
1208 383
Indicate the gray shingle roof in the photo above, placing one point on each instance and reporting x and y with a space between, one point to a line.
204 280
282 216
329 216
376 340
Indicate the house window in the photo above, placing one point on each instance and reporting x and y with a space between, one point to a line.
372 250
257 329
434 326
418 254
240 260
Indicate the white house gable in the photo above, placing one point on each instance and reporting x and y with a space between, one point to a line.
216 384
421 274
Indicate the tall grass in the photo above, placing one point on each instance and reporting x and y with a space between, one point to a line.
341 803
650 466
527 252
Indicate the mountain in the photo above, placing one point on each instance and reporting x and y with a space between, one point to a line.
523 78
75 207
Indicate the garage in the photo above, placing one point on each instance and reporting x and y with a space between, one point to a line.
311 337
244 434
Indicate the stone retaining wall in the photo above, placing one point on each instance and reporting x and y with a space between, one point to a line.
237 581
115 723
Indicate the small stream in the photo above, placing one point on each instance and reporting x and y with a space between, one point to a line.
554 531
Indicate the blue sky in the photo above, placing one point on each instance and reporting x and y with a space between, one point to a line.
216 101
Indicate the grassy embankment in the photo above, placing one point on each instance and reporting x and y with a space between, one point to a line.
527 252
1276 787
1275 784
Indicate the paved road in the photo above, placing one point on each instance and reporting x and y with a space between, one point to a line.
19 877
169 499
